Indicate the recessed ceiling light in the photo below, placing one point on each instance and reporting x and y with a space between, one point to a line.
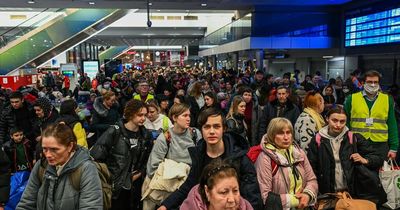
203 5
31 2
91 2
150 3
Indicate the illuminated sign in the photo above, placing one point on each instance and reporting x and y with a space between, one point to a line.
378 28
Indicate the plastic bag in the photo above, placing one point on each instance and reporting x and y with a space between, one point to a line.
19 180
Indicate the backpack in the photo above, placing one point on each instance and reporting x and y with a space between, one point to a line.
102 169
253 154
75 179
167 136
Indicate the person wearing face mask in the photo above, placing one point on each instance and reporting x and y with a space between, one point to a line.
371 114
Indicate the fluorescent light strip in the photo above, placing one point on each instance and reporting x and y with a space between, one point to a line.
172 47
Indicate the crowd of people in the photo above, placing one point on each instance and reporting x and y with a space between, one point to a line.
188 139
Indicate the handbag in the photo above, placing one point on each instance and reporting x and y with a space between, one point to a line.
346 202
390 178
367 184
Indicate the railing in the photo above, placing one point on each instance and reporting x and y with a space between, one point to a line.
236 30
28 25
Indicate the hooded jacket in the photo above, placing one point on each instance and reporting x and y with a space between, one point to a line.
56 191
103 117
323 163
235 150
280 184
195 202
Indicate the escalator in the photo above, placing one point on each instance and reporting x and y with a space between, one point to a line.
36 45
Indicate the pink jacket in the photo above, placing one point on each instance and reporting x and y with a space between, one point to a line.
278 183
194 201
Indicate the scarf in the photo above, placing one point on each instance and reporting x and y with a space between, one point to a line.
316 116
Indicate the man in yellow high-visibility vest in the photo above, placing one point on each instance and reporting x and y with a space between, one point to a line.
371 113
143 91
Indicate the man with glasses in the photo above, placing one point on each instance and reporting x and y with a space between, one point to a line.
371 113
143 91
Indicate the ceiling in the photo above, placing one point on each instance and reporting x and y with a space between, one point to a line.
166 4
117 36
163 36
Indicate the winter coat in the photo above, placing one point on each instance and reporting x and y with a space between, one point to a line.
9 120
305 129
278 183
195 202
56 191
177 149
236 124
194 109
10 149
4 176
257 111
323 163
102 117
235 150
122 158
290 112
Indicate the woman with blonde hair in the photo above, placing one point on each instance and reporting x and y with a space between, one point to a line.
235 117
310 120
284 173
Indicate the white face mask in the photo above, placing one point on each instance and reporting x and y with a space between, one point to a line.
371 89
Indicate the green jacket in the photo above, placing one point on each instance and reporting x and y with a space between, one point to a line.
56 192
391 122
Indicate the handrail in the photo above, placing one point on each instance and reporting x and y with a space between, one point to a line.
24 22
3 37
226 25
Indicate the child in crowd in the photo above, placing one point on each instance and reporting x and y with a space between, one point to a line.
19 151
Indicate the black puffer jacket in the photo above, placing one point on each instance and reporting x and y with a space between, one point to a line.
114 149
235 150
291 112
322 161
22 118
102 117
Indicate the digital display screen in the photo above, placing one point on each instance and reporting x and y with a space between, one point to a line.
68 73
91 68
378 28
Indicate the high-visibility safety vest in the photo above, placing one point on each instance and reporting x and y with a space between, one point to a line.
149 97
370 123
